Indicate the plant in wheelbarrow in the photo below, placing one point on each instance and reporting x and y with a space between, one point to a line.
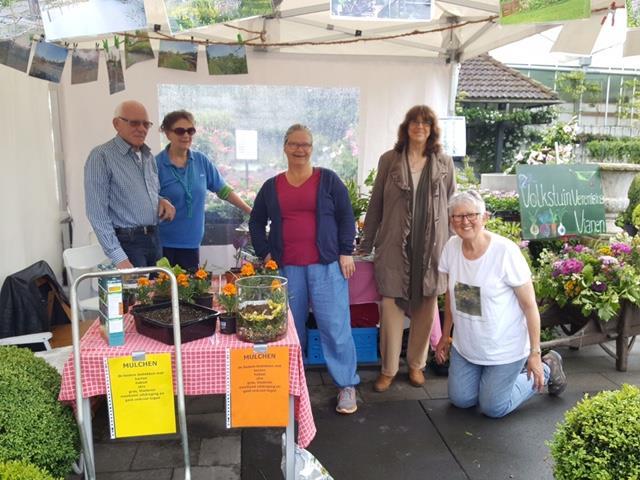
34 426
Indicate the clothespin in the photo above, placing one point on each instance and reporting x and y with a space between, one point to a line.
358 33
138 356
240 39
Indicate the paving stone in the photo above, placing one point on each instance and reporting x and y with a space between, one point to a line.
323 396
204 404
261 453
156 474
208 425
400 390
162 454
313 378
114 456
209 473
220 451
437 387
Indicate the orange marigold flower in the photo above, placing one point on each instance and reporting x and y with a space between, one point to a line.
247 270
143 282
201 274
229 290
271 265
162 277
276 285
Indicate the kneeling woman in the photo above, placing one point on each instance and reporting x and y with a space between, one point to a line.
491 300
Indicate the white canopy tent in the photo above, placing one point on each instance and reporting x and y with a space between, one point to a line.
48 129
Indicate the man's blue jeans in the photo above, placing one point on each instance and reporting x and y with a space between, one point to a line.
143 250
324 288
496 389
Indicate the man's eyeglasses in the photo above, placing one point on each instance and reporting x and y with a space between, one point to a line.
295 145
471 217
417 123
137 123
181 131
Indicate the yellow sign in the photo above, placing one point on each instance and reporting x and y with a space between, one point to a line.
258 387
140 395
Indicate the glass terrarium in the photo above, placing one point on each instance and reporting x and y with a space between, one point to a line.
262 308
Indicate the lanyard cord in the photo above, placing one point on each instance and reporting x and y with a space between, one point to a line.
186 181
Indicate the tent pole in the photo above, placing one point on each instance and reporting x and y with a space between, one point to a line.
453 87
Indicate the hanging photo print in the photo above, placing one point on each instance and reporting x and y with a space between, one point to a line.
48 61
137 49
178 55
408 10
114 69
188 14
4 51
18 54
84 66
227 59
543 11
85 18
633 13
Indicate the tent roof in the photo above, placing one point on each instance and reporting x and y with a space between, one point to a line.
484 79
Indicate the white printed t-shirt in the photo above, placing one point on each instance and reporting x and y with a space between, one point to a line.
490 327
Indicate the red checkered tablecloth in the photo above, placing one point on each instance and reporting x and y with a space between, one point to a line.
203 362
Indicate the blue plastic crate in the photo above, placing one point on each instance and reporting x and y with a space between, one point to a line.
365 339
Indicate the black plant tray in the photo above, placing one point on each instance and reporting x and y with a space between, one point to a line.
190 330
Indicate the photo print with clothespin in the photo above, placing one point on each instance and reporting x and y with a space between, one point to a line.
18 53
404 10
186 15
178 55
513 12
227 59
114 67
84 65
137 48
86 18
48 61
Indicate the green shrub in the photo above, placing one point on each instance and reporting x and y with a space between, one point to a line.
635 217
13 470
634 199
600 438
34 426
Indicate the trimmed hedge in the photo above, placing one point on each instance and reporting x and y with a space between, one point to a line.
627 150
599 438
13 470
34 426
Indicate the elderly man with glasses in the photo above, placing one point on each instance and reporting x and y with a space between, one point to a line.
121 191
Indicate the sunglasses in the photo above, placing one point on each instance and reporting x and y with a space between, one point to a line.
137 123
181 131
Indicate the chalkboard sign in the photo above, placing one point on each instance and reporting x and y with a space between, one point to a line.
558 200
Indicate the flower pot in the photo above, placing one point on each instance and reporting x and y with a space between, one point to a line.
262 308
156 321
227 323
616 180
205 300
158 299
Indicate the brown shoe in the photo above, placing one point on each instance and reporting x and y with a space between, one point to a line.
382 383
416 377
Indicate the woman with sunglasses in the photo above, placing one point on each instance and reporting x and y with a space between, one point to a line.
185 176
491 300
407 223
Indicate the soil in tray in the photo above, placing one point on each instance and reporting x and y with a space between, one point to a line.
188 314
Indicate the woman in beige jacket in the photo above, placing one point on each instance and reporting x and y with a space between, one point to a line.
407 223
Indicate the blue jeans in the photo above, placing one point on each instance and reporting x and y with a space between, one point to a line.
187 258
324 288
143 250
496 389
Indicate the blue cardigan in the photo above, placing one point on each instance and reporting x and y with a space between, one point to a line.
334 220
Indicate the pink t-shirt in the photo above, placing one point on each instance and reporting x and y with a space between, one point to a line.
298 210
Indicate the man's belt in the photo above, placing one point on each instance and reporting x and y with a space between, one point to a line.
144 230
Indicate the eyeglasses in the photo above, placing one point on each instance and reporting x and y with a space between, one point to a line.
416 123
181 131
471 217
295 145
137 123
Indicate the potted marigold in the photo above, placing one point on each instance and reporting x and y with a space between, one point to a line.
228 300
201 284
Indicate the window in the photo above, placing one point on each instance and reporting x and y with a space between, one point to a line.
241 129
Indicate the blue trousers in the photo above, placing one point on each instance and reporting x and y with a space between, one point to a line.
142 250
324 288
497 389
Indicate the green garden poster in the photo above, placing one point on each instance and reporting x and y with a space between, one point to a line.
558 200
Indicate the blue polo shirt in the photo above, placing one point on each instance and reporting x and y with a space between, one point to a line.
185 231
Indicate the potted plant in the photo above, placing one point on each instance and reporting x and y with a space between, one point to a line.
201 284
599 437
228 300
262 308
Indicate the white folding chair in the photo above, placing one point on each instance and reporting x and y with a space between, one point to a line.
81 260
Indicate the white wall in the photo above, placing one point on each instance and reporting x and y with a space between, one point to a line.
388 86
29 228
